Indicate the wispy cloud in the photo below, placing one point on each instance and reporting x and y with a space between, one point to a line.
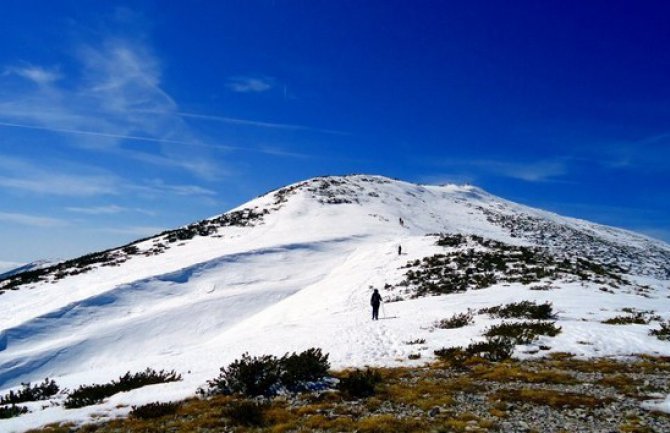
22 175
260 124
107 210
116 97
84 181
250 84
31 220
545 170
36 74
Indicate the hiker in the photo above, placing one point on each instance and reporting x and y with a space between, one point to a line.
399 249
402 223
375 301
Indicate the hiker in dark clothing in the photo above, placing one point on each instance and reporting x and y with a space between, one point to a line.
375 301
402 223
399 249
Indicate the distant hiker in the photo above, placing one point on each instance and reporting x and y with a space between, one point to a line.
399 249
375 301
402 223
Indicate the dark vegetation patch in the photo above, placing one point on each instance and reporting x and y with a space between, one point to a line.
521 310
116 256
492 349
267 374
416 341
12 411
458 320
29 392
593 395
663 333
87 395
477 263
360 383
632 317
155 410
246 413
523 332
648 259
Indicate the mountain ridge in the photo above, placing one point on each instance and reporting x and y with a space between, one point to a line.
294 268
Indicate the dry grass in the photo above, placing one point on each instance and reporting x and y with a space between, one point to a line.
548 397
389 423
507 372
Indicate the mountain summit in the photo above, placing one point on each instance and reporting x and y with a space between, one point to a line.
295 268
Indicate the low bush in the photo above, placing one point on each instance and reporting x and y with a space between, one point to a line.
458 320
493 349
87 395
307 366
416 341
264 375
521 310
246 413
523 332
154 410
360 383
455 356
414 356
663 333
28 392
631 319
12 411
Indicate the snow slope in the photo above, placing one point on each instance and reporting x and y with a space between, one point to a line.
294 271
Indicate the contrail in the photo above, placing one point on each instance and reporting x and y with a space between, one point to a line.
120 136
247 122
273 152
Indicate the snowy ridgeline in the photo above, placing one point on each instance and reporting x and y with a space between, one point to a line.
295 268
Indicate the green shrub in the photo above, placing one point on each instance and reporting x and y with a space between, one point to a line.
360 383
28 392
87 395
522 332
249 376
154 410
262 375
631 319
521 310
458 320
246 413
494 349
12 411
307 366
455 356
663 333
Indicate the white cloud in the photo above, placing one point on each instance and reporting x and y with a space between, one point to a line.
31 220
529 171
107 210
118 98
35 74
249 84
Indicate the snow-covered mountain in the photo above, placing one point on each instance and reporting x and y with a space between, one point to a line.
32 266
295 269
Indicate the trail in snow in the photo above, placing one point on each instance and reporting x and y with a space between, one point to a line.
300 279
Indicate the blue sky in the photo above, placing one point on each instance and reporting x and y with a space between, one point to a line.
118 120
